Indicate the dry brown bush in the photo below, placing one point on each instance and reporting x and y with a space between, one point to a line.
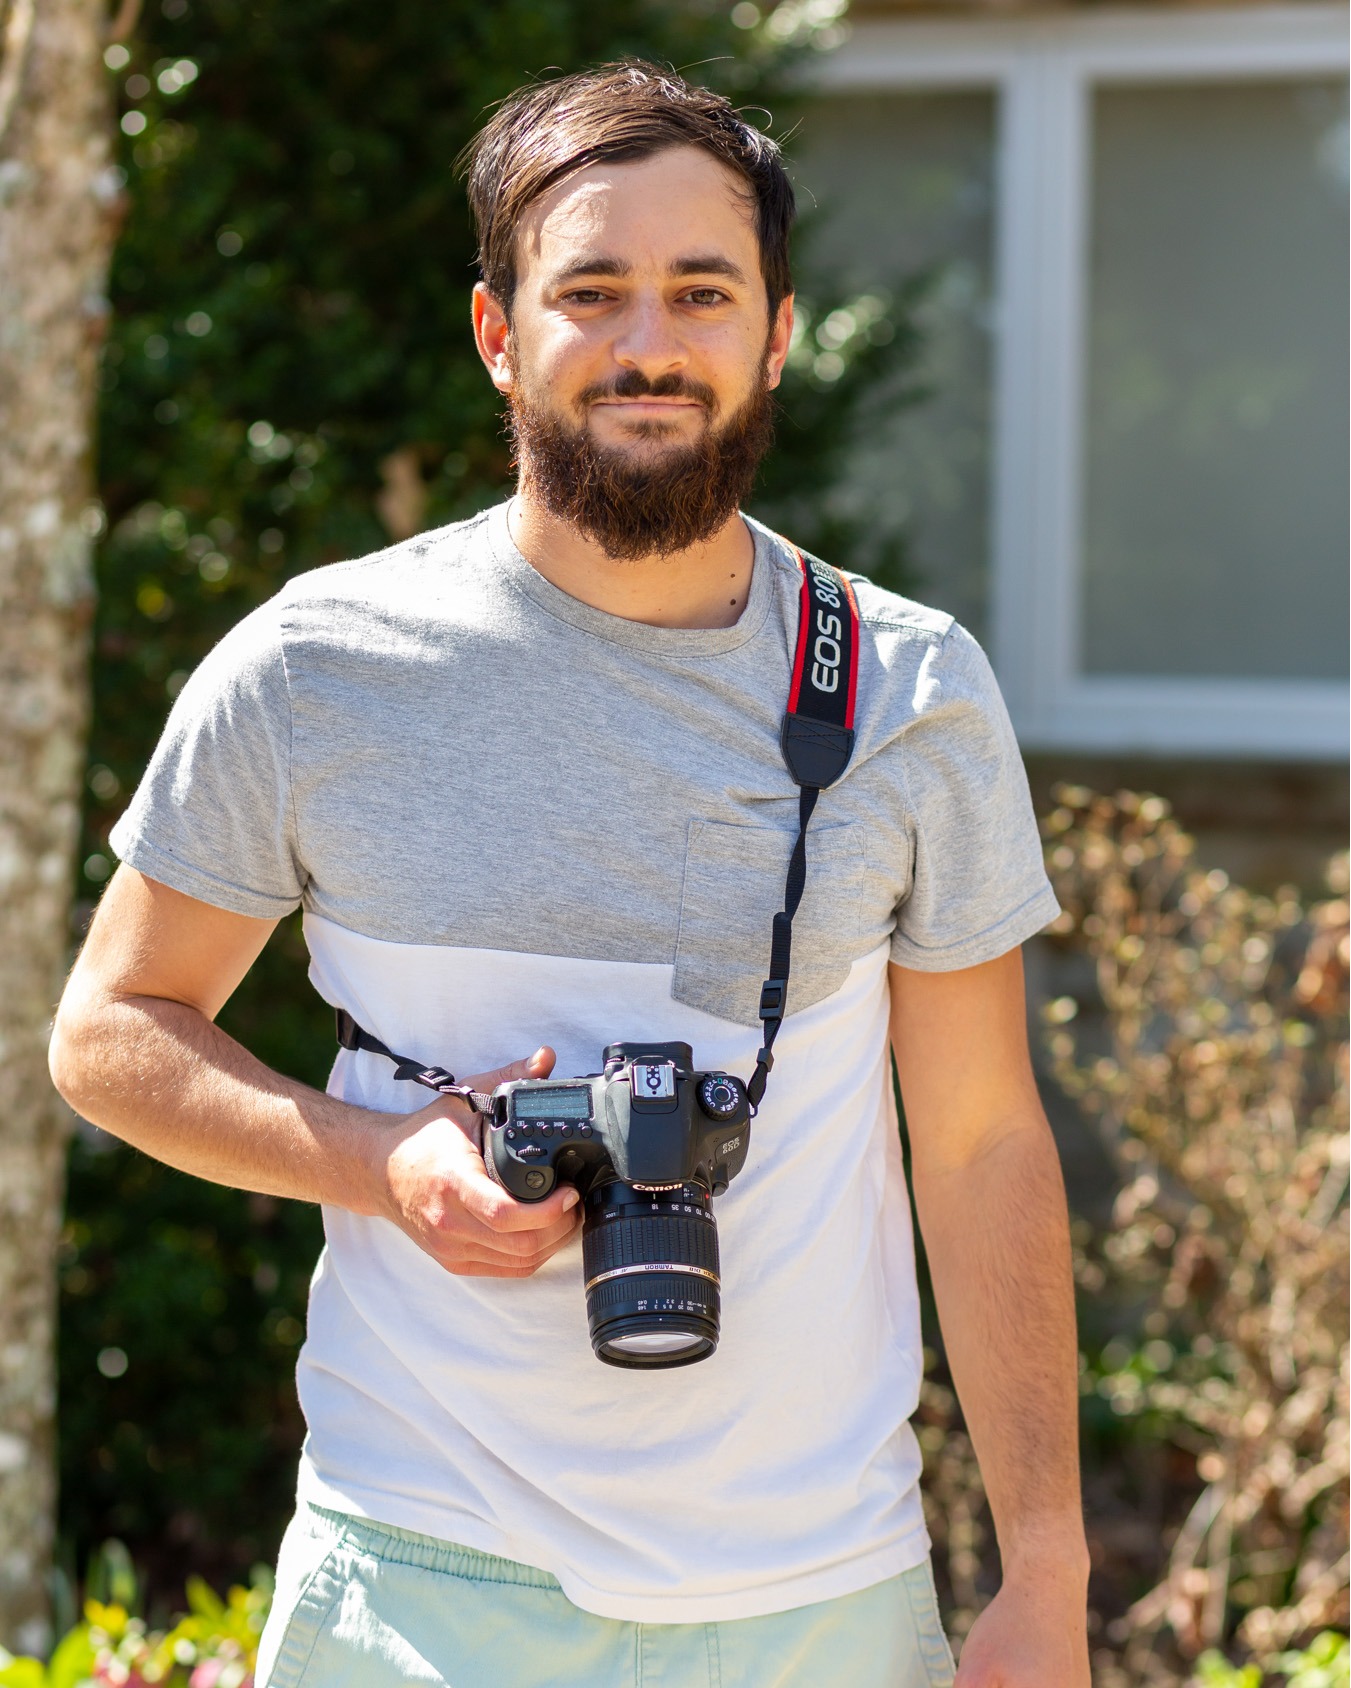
1214 1062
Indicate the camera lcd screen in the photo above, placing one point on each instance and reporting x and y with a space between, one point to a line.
557 1103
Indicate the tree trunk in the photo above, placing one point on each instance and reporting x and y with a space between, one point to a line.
58 201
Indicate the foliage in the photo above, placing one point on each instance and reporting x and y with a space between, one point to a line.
1209 1044
1325 1663
1223 1089
183 1310
1225 1092
213 1645
289 379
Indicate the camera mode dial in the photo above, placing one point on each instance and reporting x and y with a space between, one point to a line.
721 1097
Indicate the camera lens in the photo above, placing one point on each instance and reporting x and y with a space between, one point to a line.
651 1263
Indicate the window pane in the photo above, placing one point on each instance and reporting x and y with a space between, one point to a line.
1215 532
903 183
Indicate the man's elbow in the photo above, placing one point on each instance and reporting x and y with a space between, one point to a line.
1008 1138
71 1049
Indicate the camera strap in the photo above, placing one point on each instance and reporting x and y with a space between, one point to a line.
351 1036
817 740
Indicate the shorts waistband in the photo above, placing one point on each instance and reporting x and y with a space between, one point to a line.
394 1546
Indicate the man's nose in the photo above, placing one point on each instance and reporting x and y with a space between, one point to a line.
649 338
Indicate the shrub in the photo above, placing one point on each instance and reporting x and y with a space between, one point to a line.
213 1645
1209 1046
1221 1086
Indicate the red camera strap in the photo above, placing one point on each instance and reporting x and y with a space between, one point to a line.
818 726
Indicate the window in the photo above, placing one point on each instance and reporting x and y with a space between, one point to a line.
1136 487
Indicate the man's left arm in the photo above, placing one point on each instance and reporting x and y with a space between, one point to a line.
992 1210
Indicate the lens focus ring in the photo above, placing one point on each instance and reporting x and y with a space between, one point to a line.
675 1239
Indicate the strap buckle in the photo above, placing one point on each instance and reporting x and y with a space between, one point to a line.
434 1078
773 995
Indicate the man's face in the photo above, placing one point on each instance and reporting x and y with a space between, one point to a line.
640 354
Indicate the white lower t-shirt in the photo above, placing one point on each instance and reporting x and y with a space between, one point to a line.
514 820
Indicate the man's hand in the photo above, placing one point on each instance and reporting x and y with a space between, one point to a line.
1033 1634
433 1184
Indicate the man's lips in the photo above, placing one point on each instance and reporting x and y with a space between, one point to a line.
645 406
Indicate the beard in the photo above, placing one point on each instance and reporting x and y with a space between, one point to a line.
636 506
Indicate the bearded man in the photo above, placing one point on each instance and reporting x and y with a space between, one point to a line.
527 778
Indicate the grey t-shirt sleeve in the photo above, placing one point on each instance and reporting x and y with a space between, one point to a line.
979 885
213 815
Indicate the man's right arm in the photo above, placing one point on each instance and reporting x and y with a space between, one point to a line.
136 1050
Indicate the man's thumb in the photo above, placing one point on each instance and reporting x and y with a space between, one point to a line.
538 1065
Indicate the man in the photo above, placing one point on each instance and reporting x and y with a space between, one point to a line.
525 777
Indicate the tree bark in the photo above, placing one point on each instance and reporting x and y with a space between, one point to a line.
59 197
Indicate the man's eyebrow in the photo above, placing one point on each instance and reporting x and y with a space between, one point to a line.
589 266
709 263
699 263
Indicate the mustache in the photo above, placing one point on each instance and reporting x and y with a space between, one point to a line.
633 384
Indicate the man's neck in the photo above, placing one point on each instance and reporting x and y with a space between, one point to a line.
704 586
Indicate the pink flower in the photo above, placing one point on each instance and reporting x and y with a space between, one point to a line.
208 1674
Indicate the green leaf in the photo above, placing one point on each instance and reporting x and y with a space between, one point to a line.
23 1673
73 1661
204 1600
1325 1663
1213 1670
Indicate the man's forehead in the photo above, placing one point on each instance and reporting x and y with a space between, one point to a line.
674 207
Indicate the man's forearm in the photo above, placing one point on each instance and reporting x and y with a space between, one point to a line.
997 1235
163 1077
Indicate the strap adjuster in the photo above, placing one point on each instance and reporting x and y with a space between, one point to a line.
773 994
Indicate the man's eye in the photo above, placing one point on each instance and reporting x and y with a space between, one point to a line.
706 296
584 296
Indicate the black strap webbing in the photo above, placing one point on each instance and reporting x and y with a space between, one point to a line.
351 1036
817 739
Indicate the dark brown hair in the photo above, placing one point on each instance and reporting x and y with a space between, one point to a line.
618 112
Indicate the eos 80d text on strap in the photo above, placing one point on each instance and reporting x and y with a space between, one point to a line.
650 1140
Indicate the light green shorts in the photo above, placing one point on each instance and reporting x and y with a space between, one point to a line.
362 1605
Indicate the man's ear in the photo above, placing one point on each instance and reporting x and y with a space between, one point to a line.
492 336
781 337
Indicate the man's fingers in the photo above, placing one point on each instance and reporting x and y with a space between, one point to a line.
502 1214
538 1065
516 1255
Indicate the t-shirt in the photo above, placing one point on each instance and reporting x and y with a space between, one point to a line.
512 819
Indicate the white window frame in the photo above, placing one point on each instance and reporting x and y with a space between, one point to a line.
1043 70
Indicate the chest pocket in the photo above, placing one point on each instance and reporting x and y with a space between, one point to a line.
734 881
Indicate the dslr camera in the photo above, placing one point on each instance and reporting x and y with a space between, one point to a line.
648 1142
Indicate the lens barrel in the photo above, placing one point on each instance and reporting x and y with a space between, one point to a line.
651 1264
